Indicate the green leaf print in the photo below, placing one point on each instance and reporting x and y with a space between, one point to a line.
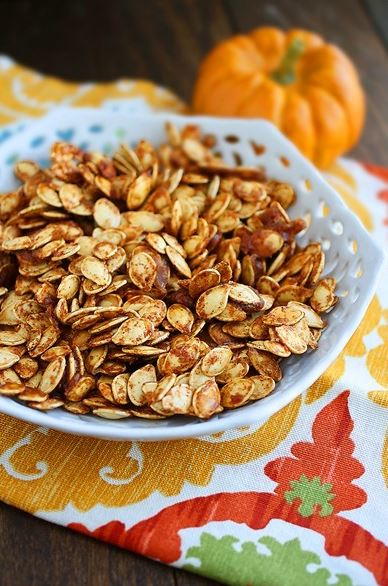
311 493
240 564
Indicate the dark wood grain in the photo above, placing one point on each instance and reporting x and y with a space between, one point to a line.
164 41
37 553
378 11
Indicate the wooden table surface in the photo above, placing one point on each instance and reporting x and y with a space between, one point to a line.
163 41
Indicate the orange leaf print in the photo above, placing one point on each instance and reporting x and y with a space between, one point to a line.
355 347
122 472
385 460
377 171
378 358
379 397
345 184
37 94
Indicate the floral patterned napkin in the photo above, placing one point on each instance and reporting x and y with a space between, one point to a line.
297 500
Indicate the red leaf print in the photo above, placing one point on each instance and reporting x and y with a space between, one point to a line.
158 537
112 532
328 459
383 195
380 173
320 471
377 171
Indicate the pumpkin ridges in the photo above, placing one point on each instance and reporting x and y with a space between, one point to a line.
250 88
270 42
238 53
353 109
333 130
309 39
213 71
269 106
237 89
297 122
317 69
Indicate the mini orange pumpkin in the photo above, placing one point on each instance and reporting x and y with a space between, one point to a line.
308 88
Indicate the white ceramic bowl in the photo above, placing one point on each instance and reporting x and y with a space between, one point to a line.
356 268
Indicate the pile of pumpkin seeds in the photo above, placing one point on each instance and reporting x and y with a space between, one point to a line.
158 282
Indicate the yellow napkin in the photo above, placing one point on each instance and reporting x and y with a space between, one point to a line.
180 500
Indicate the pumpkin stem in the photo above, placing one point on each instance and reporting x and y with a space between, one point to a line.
285 74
